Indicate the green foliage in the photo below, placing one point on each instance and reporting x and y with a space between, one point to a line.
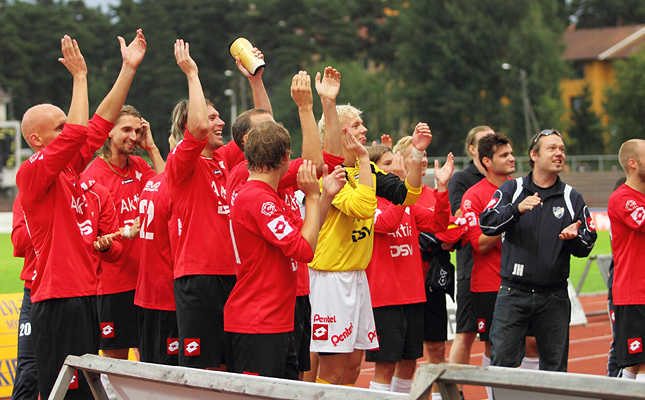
602 13
626 101
585 133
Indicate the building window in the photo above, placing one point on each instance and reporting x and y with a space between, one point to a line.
578 70
576 103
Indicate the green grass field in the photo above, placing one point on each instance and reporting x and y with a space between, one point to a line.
10 267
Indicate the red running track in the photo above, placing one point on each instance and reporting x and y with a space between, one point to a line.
588 347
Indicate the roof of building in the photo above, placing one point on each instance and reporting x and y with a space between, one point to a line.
603 43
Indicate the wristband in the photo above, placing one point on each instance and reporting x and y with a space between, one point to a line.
417 155
126 231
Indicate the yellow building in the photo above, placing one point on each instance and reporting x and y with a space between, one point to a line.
592 53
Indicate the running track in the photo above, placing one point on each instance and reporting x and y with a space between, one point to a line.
587 350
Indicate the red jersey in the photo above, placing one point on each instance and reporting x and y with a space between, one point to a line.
197 188
267 237
485 275
158 237
22 246
56 216
125 185
626 210
395 273
230 154
103 217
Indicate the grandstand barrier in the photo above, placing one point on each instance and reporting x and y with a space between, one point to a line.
603 262
141 381
513 383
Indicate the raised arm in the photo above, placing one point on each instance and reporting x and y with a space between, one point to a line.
308 183
302 96
147 143
75 63
260 96
197 123
328 88
421 139
331 184
132 56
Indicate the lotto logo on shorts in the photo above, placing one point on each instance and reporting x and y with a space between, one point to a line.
635 345
320 331
192 347
73 384
481 325
107 329
172 345
612 316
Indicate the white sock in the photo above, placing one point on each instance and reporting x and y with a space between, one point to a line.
532 363
628 374
401 385
436 396
485 361
385 387
640 377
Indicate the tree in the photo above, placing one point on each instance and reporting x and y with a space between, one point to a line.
626 100
585 136
602 13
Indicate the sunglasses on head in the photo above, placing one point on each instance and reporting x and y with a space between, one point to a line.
546 132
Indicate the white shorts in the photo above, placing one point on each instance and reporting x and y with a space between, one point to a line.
341 312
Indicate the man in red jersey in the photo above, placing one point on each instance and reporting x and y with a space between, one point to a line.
64 317
125 175
158 336
626 209
270 240
496 155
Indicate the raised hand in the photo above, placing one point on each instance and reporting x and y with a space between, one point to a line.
529 202
354 147
307 179
146 142
570 231
386 140
333 182
258 74
422 136
301 90
443 175
398 166
133 53
182 55
329 86
72 58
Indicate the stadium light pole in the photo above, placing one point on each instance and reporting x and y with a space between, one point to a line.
531 125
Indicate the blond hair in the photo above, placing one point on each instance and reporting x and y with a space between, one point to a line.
345 112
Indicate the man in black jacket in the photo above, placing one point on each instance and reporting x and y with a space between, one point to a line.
543 221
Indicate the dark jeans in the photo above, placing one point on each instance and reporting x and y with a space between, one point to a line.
26 382
548 312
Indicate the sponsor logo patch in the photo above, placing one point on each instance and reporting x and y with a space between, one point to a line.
635 345
152 186
107 329
330 319
172 344
341 338
280 227
612 316
631 205
481 325
192 347
638 215
138 175
320 331
492 203
467 204
268 208
591 224
126 181
372 335
558 212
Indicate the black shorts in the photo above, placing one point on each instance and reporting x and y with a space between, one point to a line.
630 332
158 337
400 333
484 303
272 354
62 327
200 303
119 321
302 331
435 317
466 321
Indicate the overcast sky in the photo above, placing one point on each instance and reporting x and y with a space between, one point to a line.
103 3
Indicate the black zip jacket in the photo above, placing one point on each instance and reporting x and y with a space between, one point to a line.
533 256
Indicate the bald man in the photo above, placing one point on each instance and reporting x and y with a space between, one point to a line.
64 316
626 209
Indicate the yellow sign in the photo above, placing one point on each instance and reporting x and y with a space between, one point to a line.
9 326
